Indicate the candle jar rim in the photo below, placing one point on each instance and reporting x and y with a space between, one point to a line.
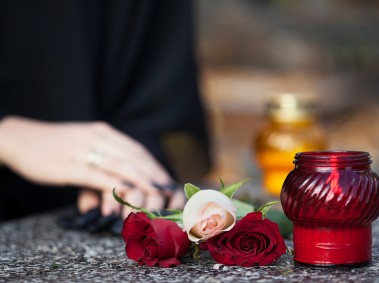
332 157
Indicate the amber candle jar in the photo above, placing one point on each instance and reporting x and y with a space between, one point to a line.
332 197
292 126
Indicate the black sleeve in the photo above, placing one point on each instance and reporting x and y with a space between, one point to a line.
151 78
129 63
2 115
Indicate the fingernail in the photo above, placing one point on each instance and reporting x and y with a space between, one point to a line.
170 187
127 184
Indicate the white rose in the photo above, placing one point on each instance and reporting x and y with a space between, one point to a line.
208 213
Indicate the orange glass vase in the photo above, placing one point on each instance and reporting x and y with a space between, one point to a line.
292 127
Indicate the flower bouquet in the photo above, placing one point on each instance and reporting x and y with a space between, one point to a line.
232 231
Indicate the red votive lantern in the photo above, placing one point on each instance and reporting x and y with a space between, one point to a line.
332 197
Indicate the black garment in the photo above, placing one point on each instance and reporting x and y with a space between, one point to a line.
129 63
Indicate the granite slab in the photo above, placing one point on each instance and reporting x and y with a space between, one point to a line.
36 249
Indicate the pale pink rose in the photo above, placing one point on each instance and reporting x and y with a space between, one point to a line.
208 213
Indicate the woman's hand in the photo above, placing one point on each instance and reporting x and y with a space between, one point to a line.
93 155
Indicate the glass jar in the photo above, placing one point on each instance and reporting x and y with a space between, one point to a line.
292 127
332 197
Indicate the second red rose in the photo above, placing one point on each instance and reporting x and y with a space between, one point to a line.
253 241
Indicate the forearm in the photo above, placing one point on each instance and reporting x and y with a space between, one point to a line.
10 128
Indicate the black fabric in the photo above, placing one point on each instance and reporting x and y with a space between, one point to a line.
129 63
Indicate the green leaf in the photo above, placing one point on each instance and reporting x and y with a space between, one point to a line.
120 200
174 217
174 211
196 252
158 213
222 182
55 265
190 190
285 225
243 208
230 190
266 207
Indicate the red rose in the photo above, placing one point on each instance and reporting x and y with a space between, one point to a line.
154 241
253 241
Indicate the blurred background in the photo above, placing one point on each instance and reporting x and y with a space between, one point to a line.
249 49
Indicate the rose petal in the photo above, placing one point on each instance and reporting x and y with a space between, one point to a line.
163 237
173 242
135 225
166 263
135 228
252 241
252 218
196 202
212 225
210 208
204 204
154 242
229 222
134 249
182 244
151 250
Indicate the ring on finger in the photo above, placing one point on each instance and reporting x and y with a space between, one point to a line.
94 157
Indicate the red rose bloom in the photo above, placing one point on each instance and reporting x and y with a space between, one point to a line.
253 241
154 241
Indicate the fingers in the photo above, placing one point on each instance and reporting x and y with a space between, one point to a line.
154 202
133 173
117 160
124 147
134 197
87 200
109 217
137 198
120 156
109 205
178 200
90 177
128 155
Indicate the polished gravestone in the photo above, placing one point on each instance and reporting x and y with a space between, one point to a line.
36 249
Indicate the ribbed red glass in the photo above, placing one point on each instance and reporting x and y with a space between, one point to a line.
332 197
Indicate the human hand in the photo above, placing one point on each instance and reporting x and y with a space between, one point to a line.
89 155
93 221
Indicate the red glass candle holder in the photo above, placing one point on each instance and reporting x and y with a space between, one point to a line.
332 197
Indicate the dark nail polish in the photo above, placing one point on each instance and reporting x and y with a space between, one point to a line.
166 187
80 221
102 223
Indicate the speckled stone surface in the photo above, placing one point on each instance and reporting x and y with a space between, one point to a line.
35 249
